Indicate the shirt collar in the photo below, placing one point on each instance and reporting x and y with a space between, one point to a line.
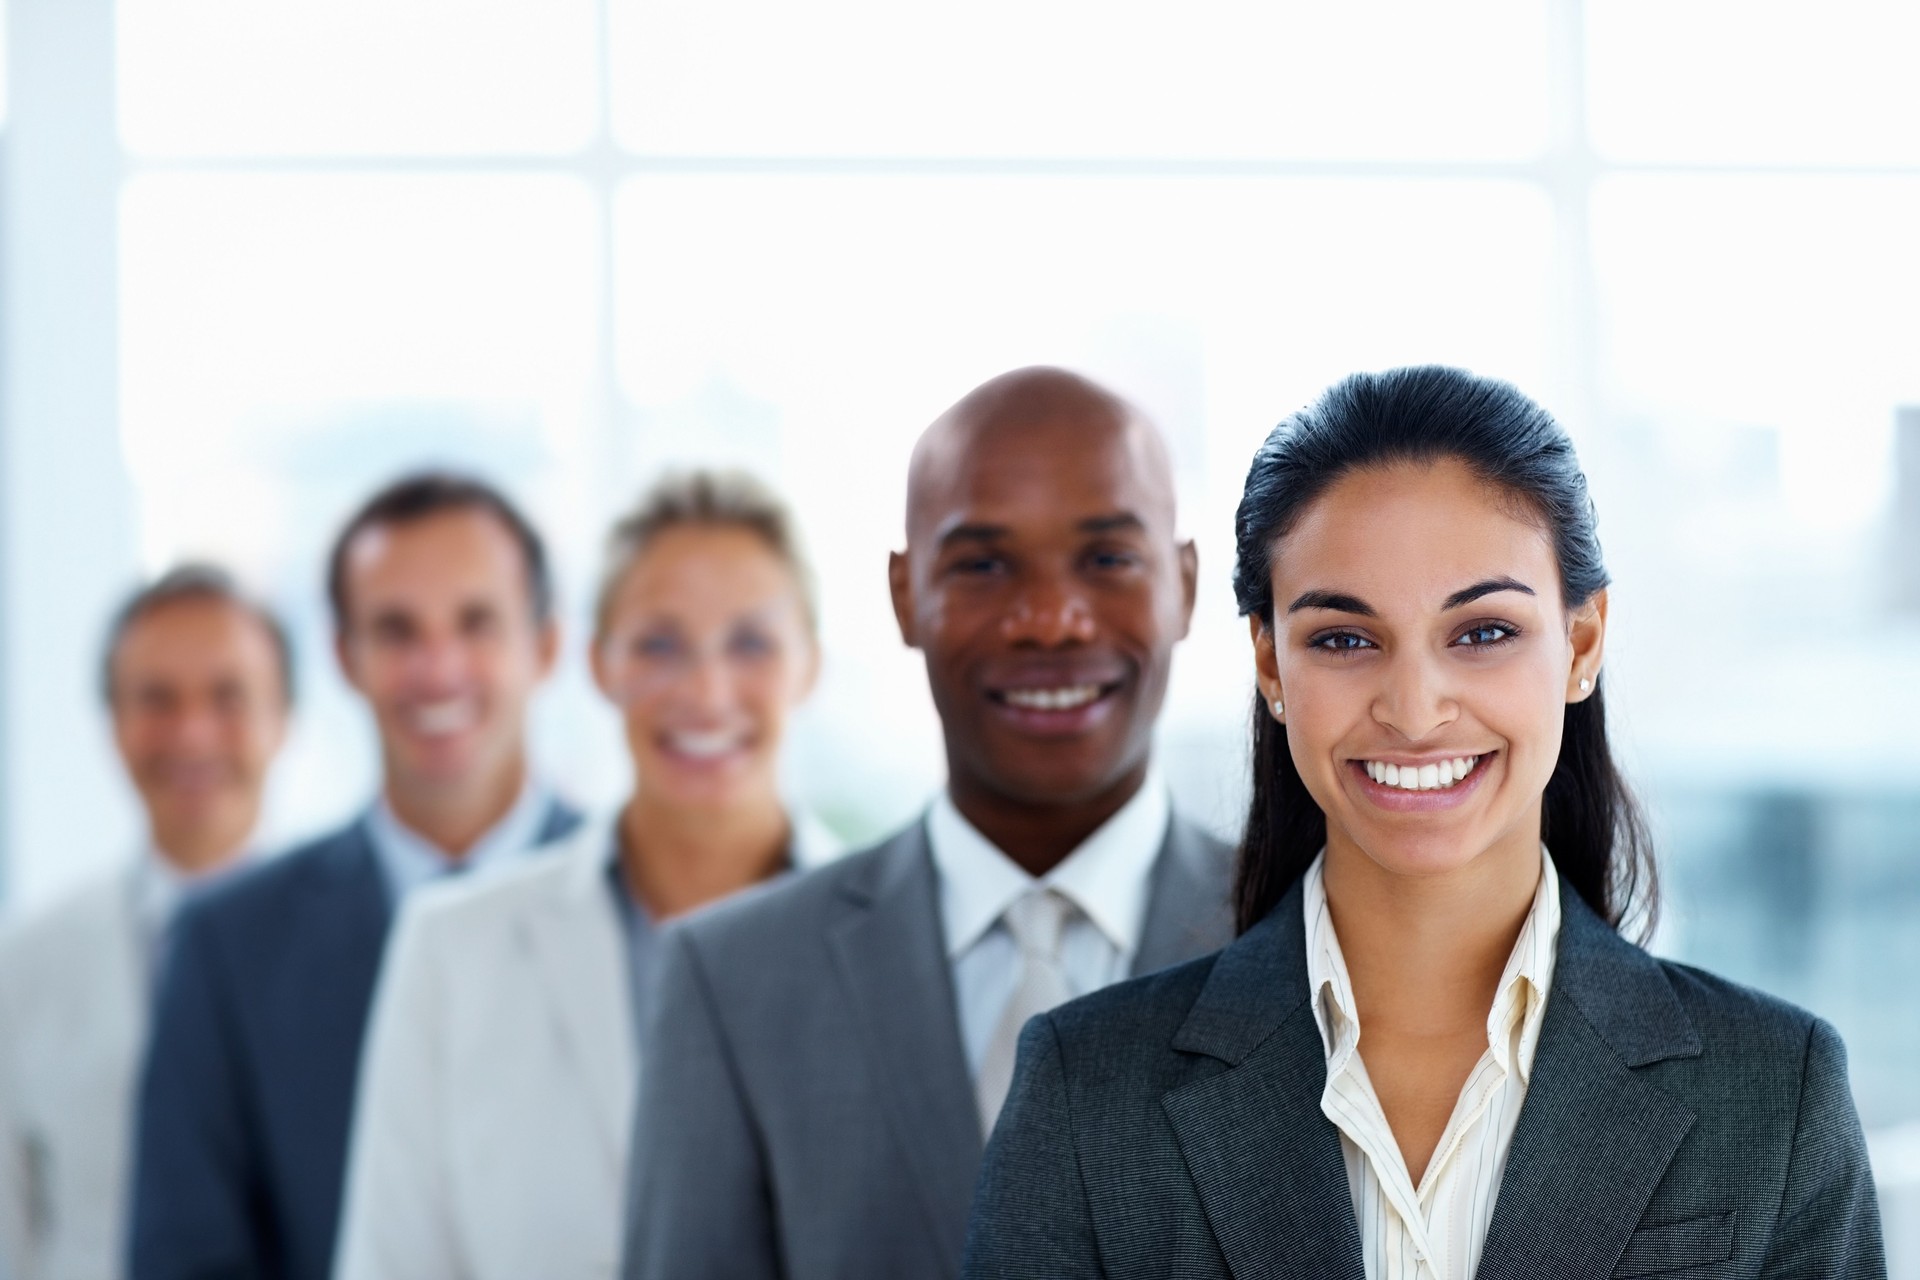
159 885
1106 876
1519 1005
409 860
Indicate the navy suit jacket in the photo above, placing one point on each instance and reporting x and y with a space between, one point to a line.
246 1101
1675 1125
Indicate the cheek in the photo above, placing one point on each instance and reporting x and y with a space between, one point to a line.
1525 704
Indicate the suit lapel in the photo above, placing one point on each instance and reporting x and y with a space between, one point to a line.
1266 1163
576 948
1594 1137
888 948
1188 912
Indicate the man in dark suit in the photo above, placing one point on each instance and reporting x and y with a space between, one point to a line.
826 1056
443 623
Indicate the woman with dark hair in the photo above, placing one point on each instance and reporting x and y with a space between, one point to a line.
1430 1055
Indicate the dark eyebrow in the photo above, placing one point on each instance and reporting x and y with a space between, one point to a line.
973 533
1114 523
1332 600
1468 595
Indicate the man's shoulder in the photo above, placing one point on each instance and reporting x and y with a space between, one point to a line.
268 893
67 929
498 899
794 913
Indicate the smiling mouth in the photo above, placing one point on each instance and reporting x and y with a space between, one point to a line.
712 745
1066 697
443 718
1440 775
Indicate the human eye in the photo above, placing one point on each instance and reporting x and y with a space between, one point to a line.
656 644
1487 635
1113 559
1342 642
979 565
750 644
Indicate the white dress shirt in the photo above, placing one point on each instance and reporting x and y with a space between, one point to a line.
1106 877
409 860
1433 1231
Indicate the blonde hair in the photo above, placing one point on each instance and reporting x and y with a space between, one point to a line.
726 499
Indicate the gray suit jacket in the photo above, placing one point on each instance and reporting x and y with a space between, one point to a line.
806 1111
1675 1125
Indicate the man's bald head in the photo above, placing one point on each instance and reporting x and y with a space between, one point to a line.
1056 410
1044 583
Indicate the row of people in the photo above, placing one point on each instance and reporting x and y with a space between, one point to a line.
800 1082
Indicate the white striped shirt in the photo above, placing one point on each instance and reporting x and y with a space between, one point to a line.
1434 1231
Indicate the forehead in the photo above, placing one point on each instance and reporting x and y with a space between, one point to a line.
705 568
1034 475
192 634
1406 536
452 552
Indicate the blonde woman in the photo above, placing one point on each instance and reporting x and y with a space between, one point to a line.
496 1109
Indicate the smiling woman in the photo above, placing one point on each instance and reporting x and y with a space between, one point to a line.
1440 848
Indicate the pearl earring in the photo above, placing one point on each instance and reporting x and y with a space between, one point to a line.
1585 684
1279 708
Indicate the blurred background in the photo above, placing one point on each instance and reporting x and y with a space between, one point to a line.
261 254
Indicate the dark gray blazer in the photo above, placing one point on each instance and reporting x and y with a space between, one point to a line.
1675 1125
806 1111
247 1096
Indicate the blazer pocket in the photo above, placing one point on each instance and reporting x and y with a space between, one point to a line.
1672 1246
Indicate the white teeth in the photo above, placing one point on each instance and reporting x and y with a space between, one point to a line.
1426 777
1062 699
449 716
704 746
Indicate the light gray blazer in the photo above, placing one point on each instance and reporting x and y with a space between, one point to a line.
1675 1125
806 1111
73 1012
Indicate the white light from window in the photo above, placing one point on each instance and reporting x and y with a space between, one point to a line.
1754 82
357 77
1783 302
1382 79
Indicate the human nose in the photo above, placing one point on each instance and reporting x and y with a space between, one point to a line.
709 680
438 661
1049 614
1413 699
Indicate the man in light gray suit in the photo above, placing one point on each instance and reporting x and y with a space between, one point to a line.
826 1056
197 679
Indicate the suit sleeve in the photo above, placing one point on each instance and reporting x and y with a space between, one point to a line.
699 1200
396 1224
1030 1210
197 1211
16 1210
1829 1224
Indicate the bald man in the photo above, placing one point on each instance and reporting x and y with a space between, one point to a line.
827 1057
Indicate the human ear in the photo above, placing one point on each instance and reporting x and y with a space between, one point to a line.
1189 584
548 647
810 673
1266 664
1586 641
343 654
900 584
597 664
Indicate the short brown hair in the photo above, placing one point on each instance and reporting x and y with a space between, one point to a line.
431 493
725 499
197 582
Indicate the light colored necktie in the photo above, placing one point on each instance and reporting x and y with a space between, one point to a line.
1036 920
